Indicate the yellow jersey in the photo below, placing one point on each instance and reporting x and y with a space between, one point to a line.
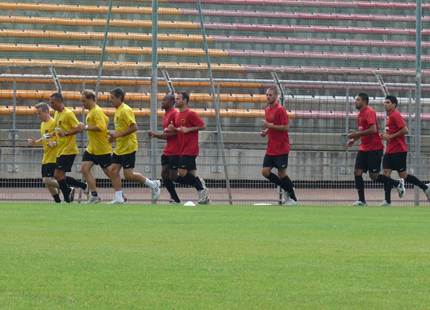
124 117
49 153
65 121
98 143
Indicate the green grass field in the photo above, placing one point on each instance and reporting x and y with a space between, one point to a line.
213 257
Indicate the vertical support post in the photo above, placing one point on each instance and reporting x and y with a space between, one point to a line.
105 42
347 117
14 167
154 88
216 105
418 80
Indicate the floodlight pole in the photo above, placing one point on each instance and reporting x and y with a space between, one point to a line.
215 102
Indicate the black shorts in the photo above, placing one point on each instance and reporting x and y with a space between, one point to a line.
369 161
170 160
187 162
127 161
396 161
65 162
48 170
278 161
103 161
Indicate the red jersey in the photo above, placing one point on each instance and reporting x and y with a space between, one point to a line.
373 142
395 122
188 142
171 148
278 142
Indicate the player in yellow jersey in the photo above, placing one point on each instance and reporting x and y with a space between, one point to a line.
99 149
66 128
47 127
125 138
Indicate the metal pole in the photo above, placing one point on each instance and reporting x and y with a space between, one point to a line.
216 103
105 42
418 89
154 88
14 167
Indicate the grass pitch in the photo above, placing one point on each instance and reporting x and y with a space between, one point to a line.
213 257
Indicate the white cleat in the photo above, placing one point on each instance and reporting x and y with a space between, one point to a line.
116 202
156 191
290 202
401 188
427 192
359 203
72 194
385 204
93 200
203 197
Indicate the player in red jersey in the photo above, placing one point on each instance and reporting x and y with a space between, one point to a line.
397 149
187 125
170 156
278 144
370 152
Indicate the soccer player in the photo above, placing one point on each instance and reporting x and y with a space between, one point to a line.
278 144
187 125
99 148
397 150
370 152
47 140
169 159
125 138
66 128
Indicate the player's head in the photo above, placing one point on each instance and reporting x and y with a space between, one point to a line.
361 101
168 102
56 101
272 94
117 96
181 99
390 103
88 98
42 111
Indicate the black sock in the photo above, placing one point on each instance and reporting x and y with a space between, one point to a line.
94 194
387 180
75 183
287 185
414 180
170 186
184 181
65 189
190 179
387 190
56 198
359 185
274 179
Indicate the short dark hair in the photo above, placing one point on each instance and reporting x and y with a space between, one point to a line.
89 94
364 97
57 96
170 98
393 99
274 89
118 93
185 95
43 106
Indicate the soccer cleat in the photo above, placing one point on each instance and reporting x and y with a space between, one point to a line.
155 194
427 191
290 202
85 192
116 202
93 199
359 203
285 196
203 197
203 182
401 188
385 204
172 202
71 194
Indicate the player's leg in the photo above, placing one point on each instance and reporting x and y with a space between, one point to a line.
359 168
402 161
374 165
167 180
266 171
281 163
86 167
107 165
187 171
49 181
64 164
128 163
387 189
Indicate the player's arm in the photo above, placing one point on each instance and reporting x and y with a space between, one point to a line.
118 134
196 122
400 133
357 134
281 122
35 142
76 126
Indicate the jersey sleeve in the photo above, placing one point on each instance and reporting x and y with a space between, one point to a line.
371 118
195 120
129 117
99 120
281 117
399 121
72 120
